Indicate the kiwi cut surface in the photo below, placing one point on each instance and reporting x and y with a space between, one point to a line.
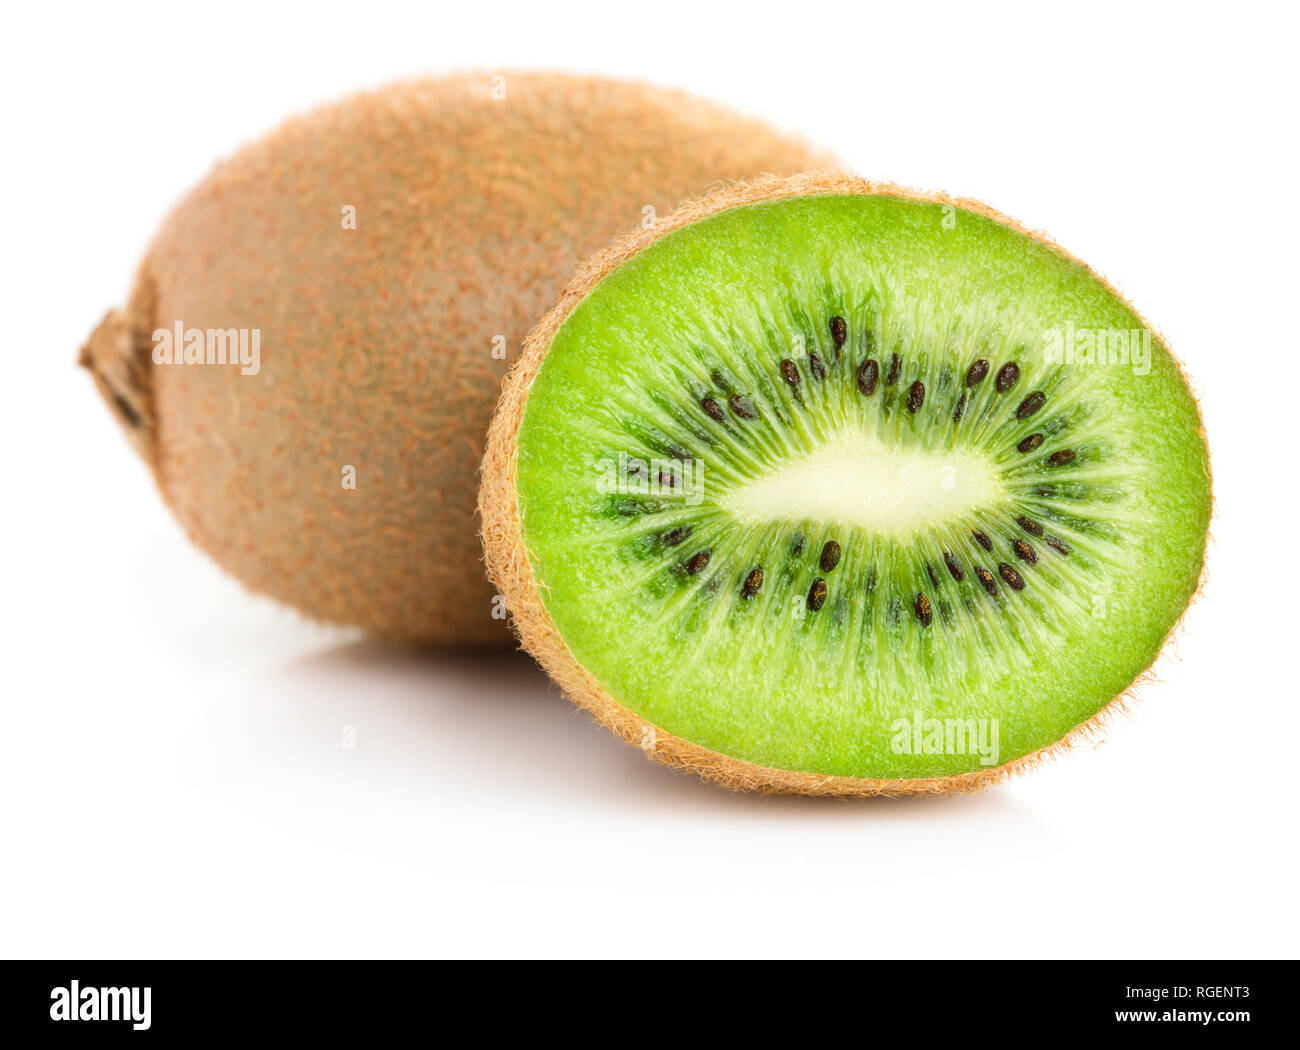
391 252
802 491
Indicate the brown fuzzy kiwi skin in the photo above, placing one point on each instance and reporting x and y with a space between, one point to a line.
509 566
377 343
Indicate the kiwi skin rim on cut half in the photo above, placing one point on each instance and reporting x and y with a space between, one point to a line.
509 566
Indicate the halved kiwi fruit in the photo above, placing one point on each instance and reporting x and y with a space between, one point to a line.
390 253
826 487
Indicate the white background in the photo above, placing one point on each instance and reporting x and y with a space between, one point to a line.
171 775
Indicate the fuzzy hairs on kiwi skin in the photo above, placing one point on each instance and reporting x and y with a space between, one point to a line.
377 342
510 566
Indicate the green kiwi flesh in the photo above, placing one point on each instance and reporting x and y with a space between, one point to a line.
860 485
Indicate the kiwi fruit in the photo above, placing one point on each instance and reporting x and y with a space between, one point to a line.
826 487
388 254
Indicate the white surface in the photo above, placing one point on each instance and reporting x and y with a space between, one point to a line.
173 779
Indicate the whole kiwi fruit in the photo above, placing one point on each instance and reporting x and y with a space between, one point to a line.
828 487
385 257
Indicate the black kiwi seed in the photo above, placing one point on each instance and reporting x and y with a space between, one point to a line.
1062 458
713 409
960 410
915 396
868 375
1056 545
830 556
720 380
976 373
673 538
1031 404
954 566
817 594
742 406
698 561
1030 443
1014 580
895 366
982 539
929 571
790 374
796 548
987 581
666 479
1030 526
752 582
1024 552
1008 374
839 331
923 612
816 367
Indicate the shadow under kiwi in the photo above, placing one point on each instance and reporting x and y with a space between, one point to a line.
498 711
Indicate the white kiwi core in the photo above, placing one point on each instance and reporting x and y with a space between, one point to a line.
857 479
